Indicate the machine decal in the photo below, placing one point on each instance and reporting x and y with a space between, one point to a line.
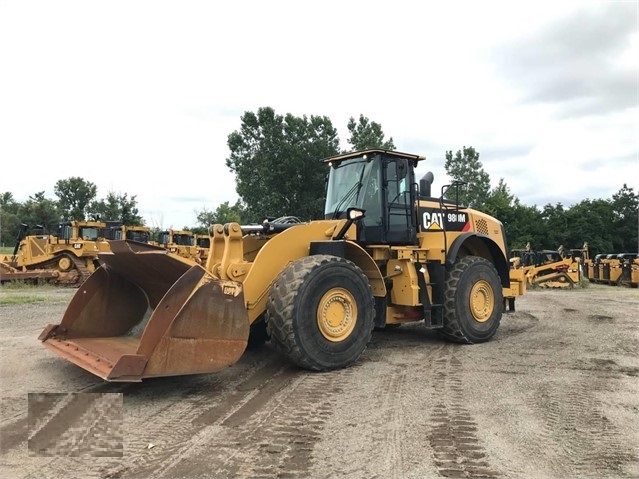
432 218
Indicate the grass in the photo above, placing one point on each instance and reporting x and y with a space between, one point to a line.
21 299
22 285
20 292
6 250
583 283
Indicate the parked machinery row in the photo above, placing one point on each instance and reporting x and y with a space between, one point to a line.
67 257
559 268
616 269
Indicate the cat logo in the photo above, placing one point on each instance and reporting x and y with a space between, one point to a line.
432 219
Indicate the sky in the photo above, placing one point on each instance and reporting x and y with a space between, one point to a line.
139 97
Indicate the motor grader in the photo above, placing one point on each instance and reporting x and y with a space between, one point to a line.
386 253
67 258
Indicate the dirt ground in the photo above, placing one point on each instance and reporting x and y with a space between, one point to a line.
554 395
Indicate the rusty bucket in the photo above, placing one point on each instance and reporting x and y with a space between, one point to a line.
146 313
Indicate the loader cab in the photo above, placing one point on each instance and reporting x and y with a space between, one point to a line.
383 184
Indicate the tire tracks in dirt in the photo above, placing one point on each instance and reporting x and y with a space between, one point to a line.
79 424
576 432
14 431
453 437
264 427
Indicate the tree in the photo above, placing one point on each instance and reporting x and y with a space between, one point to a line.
223 214
118 207
367 134
9 220
526 226
275 161
625 214
556 226
499 201
74 197
40 211
593 220
465 166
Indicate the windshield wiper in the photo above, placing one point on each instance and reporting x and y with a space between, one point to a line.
355 188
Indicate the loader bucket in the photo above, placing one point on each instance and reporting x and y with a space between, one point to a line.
145 313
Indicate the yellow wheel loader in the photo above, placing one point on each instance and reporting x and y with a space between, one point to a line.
386 253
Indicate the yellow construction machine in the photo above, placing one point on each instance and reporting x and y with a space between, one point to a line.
203 244
629 270
551 268
614 269
118 231
180 243
67 258
386 253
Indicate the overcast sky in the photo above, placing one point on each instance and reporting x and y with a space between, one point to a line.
139 97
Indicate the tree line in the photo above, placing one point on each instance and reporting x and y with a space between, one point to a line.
275 161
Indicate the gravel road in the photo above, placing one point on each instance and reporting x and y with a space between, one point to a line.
555 394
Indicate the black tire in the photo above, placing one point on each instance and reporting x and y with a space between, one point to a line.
474 301
320 312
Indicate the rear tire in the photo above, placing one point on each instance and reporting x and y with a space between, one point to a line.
474 301
320 312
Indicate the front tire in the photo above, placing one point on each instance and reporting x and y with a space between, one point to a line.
474 301
320 312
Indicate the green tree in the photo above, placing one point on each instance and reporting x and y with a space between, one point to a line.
74 197
526 226
499 202
367 134
625 220
275 162
593 220
223 214
9 220
522 224
556 226
40 211
117 207
466 167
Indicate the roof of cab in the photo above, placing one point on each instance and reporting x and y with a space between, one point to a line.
356 154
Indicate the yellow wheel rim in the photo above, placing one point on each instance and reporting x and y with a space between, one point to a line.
482 301
336 314
64 264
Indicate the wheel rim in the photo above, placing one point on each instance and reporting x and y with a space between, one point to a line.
482 301
337 314
64 264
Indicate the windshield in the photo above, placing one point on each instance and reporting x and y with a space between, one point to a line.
141 236
349 183
183 240
89 233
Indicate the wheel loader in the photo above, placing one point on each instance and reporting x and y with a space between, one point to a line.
386 253
67 258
